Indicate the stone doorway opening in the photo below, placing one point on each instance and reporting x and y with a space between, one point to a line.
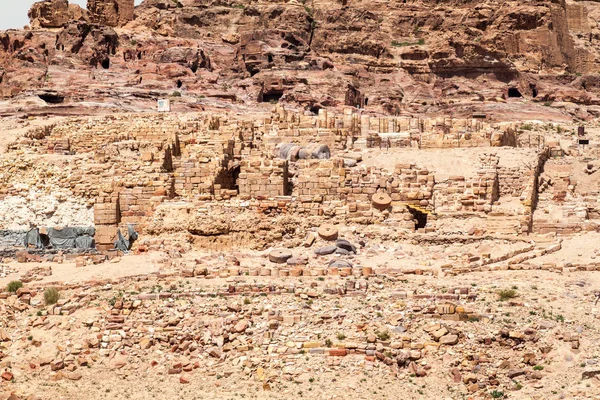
419 215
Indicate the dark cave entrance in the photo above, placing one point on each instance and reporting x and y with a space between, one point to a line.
272 96
514 93
105 63
534 91
52 98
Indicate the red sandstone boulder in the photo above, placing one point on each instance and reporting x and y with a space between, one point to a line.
55 13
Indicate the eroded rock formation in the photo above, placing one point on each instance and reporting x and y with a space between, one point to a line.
411 57
55 13
111 12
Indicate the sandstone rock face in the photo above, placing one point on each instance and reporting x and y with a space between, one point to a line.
111 12
93 44
419 56
55 13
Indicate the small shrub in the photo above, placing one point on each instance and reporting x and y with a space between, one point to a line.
247 301
14 286
176 94
538 368
341 336
383 336
496 394
527 127
420 42
328 343
560 318
51 295
507 294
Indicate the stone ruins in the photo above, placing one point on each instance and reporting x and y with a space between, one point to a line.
341 200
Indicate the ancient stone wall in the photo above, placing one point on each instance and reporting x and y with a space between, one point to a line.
262 177
132 163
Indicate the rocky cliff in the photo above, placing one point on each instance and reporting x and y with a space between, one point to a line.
386 56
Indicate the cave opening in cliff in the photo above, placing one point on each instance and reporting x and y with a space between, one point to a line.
179 84
272 96
270 58
52 98
534 91
106 63
514 93
366 101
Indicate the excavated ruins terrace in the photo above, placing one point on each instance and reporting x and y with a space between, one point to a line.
340 200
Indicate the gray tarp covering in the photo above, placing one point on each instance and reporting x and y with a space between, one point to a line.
125 244
71 238
32 238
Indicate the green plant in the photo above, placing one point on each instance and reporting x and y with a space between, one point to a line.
383 336
341 336
560 318
496 394
176 94
527 127
328 343
51 295
538 368
14 286
247 301
420 42
39 313
507 294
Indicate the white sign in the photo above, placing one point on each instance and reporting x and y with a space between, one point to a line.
164 105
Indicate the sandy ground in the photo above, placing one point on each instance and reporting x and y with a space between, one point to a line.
542 296
447 162
69 273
